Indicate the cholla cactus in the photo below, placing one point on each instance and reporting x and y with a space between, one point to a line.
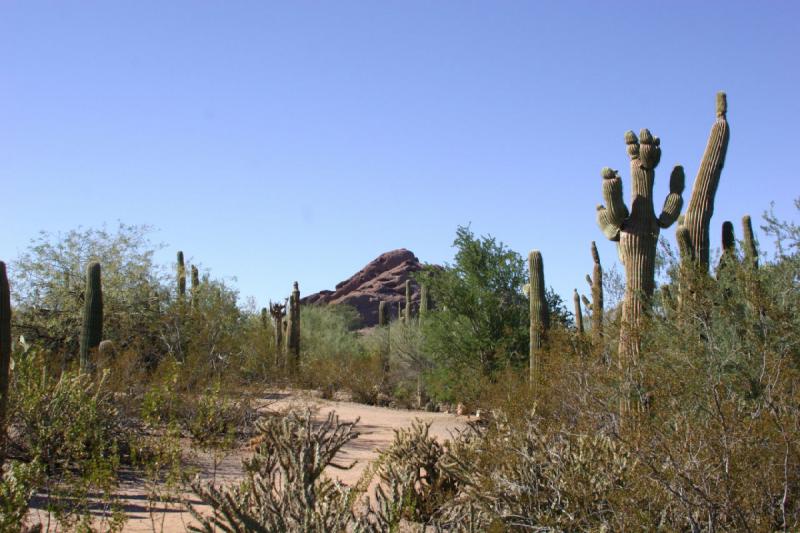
701 205
749 244
637 230
539 315
92 332
5 354
285 487
181 276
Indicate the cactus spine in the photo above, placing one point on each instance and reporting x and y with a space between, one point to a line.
637 231
539 316
749 244
293 340
5 354
408 302
382 318
92 332
701 203
181 276
576 299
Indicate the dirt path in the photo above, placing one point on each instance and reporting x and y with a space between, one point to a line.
376 425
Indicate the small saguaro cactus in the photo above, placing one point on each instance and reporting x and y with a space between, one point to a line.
195 278
92 332
278 311
5 354
423 301
399 311
181 276
576 299
539 315
749 244
697 220
408 302
382 318
596 305
637 230
293 340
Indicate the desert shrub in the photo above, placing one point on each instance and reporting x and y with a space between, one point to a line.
330 348
284 488
70 426
17 486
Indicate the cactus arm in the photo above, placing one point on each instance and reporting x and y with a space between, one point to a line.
684 243
674 201
611 215
609 229
586 302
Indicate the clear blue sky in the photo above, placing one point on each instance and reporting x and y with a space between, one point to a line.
282 141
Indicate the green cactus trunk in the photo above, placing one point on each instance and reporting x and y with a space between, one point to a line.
749 244
576 300
293 340
92 332
539 317
383 320
423 301
597 300
195 278
181 276
408 302
277 312
697 220
5 355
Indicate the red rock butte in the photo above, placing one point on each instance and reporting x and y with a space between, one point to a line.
382 279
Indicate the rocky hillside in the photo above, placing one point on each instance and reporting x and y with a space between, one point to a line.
383 278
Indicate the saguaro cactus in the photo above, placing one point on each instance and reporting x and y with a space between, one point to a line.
92 332
423 301
596 305
576 299
539 315
181 276
701 204
749 244
5 354
382 318
195 278
637 231
277 311
408 301
293 340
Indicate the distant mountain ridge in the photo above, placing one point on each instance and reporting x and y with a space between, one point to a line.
382 279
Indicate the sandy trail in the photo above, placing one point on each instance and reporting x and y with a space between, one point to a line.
375 427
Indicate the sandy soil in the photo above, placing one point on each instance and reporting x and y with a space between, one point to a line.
376 425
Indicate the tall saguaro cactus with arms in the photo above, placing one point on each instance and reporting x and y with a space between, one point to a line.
637 230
